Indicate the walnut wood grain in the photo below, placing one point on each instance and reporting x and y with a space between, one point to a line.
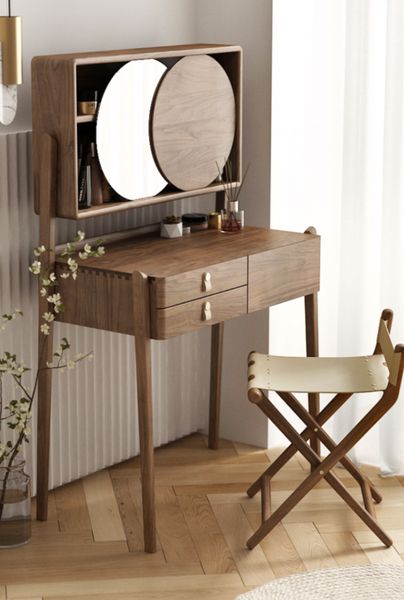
55 80
54 113
311 319
216 361
160 258
123 55
179 319
283 274
98 299
193 122
189 286
46 194
145 405
176 277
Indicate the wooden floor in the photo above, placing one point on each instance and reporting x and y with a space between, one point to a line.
91 547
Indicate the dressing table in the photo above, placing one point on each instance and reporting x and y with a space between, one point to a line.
146 286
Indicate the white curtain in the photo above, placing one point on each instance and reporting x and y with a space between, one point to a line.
338 164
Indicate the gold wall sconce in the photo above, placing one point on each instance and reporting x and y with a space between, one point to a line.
10 65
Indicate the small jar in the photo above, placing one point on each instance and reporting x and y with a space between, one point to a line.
196 221
215 220
87 102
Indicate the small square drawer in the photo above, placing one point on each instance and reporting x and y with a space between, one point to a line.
182 287
179 319
284 273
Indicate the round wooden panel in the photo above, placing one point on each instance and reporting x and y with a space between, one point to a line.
193 122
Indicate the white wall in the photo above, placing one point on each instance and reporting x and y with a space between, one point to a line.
249 25
51 27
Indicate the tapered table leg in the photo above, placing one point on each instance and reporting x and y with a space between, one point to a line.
43 427
216 360
311 312
145 410
47 226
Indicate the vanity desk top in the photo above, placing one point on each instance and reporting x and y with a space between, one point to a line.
193 281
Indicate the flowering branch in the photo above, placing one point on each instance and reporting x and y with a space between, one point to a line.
16 414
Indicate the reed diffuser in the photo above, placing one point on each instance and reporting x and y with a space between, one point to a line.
231 221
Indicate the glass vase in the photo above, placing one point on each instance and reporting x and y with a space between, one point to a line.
230 222
15 506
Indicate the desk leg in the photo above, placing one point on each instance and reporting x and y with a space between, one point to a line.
145 410
45 350
311 312
47 226
216 359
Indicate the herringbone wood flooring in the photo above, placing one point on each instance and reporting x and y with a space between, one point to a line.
91 546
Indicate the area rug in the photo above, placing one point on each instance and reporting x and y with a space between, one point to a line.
371 582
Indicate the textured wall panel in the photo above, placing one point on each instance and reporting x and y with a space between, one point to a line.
94 413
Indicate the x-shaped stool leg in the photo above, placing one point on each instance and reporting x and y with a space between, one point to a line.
322 417
321 468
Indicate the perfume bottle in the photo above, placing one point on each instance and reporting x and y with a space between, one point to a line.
230 222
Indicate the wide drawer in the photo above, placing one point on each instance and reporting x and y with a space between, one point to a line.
175 320
283 274
199 283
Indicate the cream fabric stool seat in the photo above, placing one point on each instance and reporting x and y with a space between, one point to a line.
380 372
306 374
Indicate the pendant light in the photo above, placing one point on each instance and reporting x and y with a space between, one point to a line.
10 65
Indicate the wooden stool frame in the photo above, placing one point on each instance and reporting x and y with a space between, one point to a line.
322 468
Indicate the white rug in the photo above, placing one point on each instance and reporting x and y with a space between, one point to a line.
372 582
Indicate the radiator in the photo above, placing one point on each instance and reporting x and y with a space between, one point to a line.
94 407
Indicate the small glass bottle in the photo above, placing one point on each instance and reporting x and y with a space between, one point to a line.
230 223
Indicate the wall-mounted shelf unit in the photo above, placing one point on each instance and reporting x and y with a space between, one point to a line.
56 82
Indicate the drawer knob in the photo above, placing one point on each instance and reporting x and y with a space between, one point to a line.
206 311
206 282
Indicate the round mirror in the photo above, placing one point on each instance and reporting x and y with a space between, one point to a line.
8 98
123 141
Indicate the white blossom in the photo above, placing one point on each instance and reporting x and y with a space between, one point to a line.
35 268
72 264
39 250
43 292
45 329
55 299
48 316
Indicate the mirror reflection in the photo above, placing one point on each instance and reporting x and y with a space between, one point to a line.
123 141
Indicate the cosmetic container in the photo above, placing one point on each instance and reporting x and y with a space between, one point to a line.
87 102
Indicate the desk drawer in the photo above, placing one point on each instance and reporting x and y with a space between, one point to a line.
199 283
283 274
179 319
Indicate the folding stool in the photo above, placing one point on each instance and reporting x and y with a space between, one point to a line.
380 372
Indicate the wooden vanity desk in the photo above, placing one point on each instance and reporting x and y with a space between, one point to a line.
155 288
148 287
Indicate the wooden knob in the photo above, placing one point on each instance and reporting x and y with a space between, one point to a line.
206 311
206 282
